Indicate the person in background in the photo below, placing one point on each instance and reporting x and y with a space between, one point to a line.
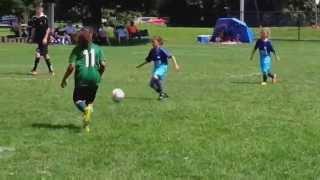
16 29
40 35
121 33
70 30
133 30
24 33
103 37
29 30
220 37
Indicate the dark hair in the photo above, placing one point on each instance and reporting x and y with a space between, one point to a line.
131 23
89 29
84 37
159 39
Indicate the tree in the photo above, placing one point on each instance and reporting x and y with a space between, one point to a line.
89 12
11 7
197 12
27 8
20 8
256 5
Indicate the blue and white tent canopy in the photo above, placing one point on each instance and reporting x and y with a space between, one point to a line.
234 28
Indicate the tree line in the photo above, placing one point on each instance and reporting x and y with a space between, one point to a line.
180 12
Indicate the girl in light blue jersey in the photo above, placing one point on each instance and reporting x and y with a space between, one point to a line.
160 58
265 49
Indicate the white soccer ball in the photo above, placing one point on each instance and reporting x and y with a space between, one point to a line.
118 95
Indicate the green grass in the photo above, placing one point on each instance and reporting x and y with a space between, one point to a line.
218 124
5 32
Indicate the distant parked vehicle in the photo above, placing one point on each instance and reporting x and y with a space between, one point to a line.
152 20
8 21
158 21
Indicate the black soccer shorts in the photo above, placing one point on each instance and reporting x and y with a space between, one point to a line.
85 93
42 49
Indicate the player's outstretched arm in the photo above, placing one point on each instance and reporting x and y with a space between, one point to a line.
274 52
66 75
176 65
276 55
255 49
142 64
252 54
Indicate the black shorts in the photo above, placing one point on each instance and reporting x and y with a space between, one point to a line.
42 49
85 93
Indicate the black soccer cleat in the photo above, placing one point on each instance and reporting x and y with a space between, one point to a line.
163 96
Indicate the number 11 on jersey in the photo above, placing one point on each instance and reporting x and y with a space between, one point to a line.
89 57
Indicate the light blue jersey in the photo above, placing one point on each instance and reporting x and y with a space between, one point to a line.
160 57
265 50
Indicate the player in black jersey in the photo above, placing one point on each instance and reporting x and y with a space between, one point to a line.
40 35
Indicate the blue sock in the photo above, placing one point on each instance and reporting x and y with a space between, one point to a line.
81 105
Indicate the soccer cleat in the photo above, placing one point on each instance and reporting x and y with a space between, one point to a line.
160 98
263 83
33 73
274 79
87 117
87 128
163 96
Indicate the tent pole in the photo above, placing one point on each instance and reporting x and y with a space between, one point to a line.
242 10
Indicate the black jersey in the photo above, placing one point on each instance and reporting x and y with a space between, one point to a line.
40 24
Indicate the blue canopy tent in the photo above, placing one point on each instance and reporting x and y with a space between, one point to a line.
234 29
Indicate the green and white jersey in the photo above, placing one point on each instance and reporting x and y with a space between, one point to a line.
87 64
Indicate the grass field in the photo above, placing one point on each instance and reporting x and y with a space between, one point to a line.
5 32
218 124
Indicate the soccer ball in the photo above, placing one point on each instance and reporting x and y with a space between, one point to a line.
118 95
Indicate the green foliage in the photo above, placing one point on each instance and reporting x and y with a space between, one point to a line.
5 32
115 17
19 8
305 10
11 7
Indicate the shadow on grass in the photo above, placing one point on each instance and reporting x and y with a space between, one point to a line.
245 83
141 98
71 127
15 74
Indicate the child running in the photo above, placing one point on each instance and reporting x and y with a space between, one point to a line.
88 61
265 48
160 57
